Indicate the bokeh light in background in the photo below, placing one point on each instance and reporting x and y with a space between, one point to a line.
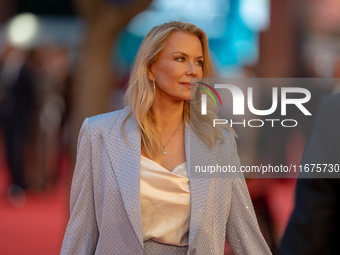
255 14
23 30
232 28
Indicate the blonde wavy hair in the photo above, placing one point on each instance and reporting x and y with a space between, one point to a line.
140 93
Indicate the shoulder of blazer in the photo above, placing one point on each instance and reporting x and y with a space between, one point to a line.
229 137
103 123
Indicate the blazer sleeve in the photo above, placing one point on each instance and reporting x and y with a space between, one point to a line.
82 232
242 230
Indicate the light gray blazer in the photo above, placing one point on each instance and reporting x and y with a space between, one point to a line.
105 207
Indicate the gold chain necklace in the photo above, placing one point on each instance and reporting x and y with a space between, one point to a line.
164 150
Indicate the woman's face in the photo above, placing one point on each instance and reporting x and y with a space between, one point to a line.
180 60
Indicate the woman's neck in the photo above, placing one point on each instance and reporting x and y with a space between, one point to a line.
167 114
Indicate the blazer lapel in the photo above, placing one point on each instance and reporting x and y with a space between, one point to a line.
197 154
125 160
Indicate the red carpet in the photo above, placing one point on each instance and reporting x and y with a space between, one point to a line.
37 227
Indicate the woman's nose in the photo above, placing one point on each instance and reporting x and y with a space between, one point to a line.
192 70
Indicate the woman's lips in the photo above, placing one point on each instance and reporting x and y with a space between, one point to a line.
188 84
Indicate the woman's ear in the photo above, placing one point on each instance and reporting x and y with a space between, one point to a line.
151 76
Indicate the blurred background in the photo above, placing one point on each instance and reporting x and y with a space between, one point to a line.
62 61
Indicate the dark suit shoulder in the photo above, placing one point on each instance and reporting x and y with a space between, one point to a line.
334 101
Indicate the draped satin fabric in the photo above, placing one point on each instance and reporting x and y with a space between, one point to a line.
165 203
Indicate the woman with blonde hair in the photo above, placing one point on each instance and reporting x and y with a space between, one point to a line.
133 189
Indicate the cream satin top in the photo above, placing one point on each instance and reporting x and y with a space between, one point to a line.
165 202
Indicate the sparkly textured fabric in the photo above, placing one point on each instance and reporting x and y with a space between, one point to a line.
105 206
165 201
154 248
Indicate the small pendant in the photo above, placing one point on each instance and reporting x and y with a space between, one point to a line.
164 151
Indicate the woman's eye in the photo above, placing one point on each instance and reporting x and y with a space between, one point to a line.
200 63
180 59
